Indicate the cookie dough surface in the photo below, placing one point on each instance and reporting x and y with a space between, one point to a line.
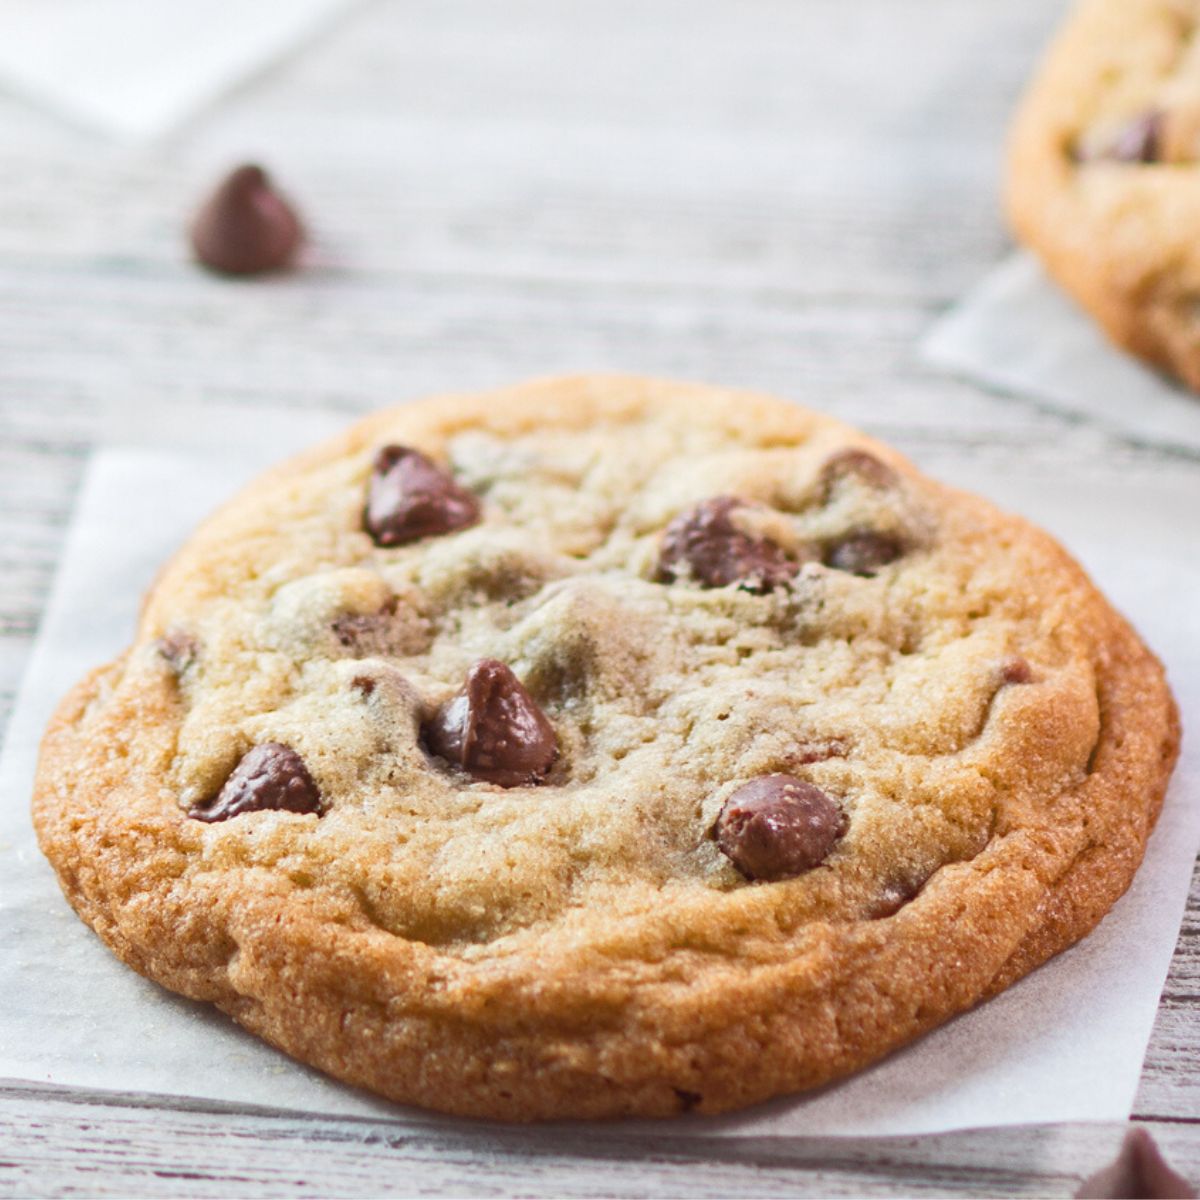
1103 176
973 743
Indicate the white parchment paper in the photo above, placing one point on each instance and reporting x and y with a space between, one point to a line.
135 68
1019 332
1065 1044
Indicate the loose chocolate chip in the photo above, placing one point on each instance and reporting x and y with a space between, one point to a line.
494 729
863 553
718 553
1140 141
857 464
410 497
778 826
246 227
1016 670
179 649
1138 1171
271 775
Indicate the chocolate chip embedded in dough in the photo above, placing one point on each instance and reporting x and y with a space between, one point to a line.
409 497
853 463
246 227
179 649
892 897
270 776
494 729
706 544
863 553
1015 670
1140 140
778 826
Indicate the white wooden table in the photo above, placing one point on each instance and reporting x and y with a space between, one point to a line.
774 193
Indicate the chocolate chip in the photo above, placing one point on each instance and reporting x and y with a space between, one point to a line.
364 685
863 553
687 1100
272 776
814 752
857 464
366 633
1138 1171
778 826
892 897
705 543
1015 670
246 227
494 729
179 649
410 497
1139 141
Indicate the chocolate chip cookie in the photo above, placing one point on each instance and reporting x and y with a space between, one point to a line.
1103 179
605 746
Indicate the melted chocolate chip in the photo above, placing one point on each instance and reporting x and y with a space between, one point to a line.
1016 670
179 649
1138 1171
410 497
857 464
246 227
494 729
778 826
272 776
863 553
705 542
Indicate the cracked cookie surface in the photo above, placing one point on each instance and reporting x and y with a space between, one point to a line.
630 747
1103 178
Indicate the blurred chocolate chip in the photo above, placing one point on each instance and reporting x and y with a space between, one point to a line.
271 775
1015 670
863 553
179 649
687 1100
410 497
778 826
1139 1172
853 463
364 685
245 227
1139 141
705 543
494 729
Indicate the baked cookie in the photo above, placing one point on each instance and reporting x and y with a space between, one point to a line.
1103 177
605 746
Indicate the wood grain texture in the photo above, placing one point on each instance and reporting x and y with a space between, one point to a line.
772 194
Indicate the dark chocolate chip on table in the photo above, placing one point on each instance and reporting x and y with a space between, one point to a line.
410 497
778 826
1140 1170
270 776
246 227
494 729
706 543
863 553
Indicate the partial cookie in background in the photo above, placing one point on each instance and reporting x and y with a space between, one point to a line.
546 753
1103 181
